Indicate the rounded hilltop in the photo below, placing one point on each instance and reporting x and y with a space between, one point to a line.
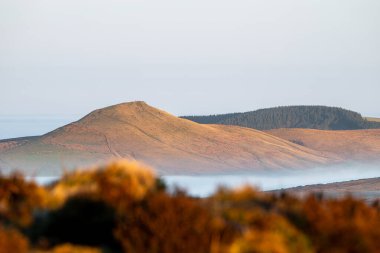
128 105
124 111
125 107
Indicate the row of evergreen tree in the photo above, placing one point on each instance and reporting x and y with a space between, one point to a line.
315 117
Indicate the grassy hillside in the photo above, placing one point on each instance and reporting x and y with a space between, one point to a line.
348 145
172 145
314 117
371 119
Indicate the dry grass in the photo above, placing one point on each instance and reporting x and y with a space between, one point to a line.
346 145
372 119
170 144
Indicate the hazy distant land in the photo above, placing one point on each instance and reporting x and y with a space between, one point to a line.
368 189
170 144
176 146
197 157
372 119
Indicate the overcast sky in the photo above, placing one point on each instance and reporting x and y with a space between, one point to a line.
188 57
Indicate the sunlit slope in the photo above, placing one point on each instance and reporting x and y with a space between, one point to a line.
171 144
348 145
373 119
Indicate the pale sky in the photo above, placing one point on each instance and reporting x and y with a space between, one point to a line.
70 57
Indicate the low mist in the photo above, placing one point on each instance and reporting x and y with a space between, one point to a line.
207 184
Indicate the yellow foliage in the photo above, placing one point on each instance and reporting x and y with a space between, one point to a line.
18 199
12 241
263 242
68 248
241 205
238 194
125 179
124 200
119 180
278 236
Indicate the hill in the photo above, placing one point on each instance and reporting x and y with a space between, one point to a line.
170 144
368 189
314 117
371 119
349 145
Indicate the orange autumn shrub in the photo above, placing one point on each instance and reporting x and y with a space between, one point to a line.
123 182
80 221
263 229
11 241
241 206
85 203
345 225
119 180
18 199
122 207
165 224
333 225
274 234
69 248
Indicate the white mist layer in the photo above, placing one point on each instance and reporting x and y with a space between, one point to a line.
205 185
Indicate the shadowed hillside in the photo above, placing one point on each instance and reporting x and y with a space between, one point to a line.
170 144
315 117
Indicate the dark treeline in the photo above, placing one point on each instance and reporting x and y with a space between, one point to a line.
314 117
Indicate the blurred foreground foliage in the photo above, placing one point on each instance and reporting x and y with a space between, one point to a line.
124 207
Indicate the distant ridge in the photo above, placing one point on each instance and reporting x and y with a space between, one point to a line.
313 117
367 189
172 145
